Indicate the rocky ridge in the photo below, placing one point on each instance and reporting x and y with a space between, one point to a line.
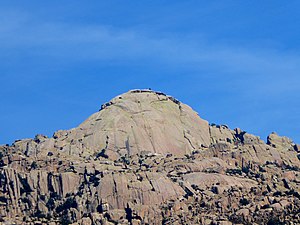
146 158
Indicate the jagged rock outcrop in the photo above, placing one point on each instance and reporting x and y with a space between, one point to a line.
146 158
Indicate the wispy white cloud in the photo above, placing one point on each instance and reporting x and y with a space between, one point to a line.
266 70
266 80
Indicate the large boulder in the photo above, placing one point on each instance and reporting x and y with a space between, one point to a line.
135 122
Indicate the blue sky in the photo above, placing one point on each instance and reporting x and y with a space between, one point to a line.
234 62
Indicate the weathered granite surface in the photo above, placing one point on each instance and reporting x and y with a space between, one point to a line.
146 158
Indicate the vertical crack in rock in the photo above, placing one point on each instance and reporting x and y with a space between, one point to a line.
116 192
149 134
150 182
187 138
129 215
127 146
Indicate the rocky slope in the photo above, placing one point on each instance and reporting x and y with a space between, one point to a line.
146 158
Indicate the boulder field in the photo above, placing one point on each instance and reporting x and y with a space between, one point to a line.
146 158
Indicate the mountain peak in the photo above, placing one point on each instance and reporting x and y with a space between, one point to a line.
140 95
144 158
143 121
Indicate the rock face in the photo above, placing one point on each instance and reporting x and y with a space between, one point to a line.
143 121
146 158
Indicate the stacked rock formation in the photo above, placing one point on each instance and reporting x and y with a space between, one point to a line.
146 158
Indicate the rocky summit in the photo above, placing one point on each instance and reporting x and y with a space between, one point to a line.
146 158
